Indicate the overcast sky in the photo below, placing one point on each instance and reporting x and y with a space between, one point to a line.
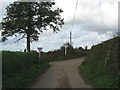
95 21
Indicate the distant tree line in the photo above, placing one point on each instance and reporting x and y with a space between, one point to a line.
69 51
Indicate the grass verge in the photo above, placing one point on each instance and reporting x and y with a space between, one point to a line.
101 64
20 69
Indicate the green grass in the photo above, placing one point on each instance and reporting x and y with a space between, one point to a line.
20 69
21 80
101 64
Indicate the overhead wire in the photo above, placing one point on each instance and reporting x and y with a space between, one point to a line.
74 15
73 22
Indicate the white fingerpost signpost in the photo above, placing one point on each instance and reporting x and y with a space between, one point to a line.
39 49
66 48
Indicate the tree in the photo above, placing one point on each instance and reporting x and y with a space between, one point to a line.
70 49
29 19
86 48
81 49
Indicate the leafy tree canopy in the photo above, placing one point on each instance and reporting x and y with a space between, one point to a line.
29 19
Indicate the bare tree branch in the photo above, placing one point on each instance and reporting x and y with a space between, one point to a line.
19 39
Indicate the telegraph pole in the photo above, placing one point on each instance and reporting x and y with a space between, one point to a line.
70 38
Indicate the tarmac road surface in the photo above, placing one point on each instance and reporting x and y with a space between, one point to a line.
61 74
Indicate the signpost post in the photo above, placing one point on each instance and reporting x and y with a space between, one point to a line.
39 49
66 48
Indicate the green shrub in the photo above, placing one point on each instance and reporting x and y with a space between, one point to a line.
101 64
14 62
20 68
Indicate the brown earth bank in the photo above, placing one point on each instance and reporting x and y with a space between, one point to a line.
62 74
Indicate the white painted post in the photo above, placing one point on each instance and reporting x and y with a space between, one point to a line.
65 50
39 49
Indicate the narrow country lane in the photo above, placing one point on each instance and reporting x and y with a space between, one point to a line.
61 74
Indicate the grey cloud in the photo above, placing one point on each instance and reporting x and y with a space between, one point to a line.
34 0
85 31
13 47
92 26
98 28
